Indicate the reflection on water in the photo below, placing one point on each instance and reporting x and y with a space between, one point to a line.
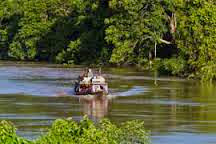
175 110
96 107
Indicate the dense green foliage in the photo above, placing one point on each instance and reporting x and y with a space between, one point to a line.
65 131
181 34
8 134
134 28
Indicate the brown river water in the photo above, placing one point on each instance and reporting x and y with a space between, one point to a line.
176 111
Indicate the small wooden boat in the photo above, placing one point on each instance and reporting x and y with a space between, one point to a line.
95 85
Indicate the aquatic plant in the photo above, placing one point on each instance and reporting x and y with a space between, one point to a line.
68 131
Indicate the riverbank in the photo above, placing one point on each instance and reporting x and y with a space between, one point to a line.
180 34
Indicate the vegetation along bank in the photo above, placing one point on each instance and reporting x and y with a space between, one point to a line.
65 131
176 36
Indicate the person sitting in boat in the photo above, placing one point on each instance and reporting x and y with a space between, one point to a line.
87 77
90 73
82 75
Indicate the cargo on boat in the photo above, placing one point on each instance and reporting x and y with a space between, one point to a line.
88 83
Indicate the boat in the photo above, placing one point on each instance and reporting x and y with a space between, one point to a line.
89 84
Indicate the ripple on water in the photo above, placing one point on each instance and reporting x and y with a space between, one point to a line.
184 138
175 110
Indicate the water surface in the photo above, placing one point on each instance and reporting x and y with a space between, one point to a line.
177 111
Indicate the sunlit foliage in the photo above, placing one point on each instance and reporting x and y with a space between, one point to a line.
65 131
134 28
177 32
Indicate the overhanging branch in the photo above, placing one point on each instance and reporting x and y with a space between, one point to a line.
164 41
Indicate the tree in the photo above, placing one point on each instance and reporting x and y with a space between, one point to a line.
134 28
196 34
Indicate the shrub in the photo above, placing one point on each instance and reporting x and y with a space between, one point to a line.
67 131
8 134
208 72
174 66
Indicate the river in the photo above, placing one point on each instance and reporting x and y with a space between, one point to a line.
176 111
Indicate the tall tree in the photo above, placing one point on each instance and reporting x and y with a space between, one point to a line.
134 28
195 37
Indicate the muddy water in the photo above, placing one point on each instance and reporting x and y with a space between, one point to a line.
177 111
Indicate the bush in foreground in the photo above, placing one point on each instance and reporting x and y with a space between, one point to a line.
65 131
8 134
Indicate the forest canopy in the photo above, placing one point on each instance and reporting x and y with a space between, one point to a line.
178 37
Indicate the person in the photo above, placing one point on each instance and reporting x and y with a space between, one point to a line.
82 75
90 74
99 71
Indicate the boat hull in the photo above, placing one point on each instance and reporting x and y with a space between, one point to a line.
99 89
